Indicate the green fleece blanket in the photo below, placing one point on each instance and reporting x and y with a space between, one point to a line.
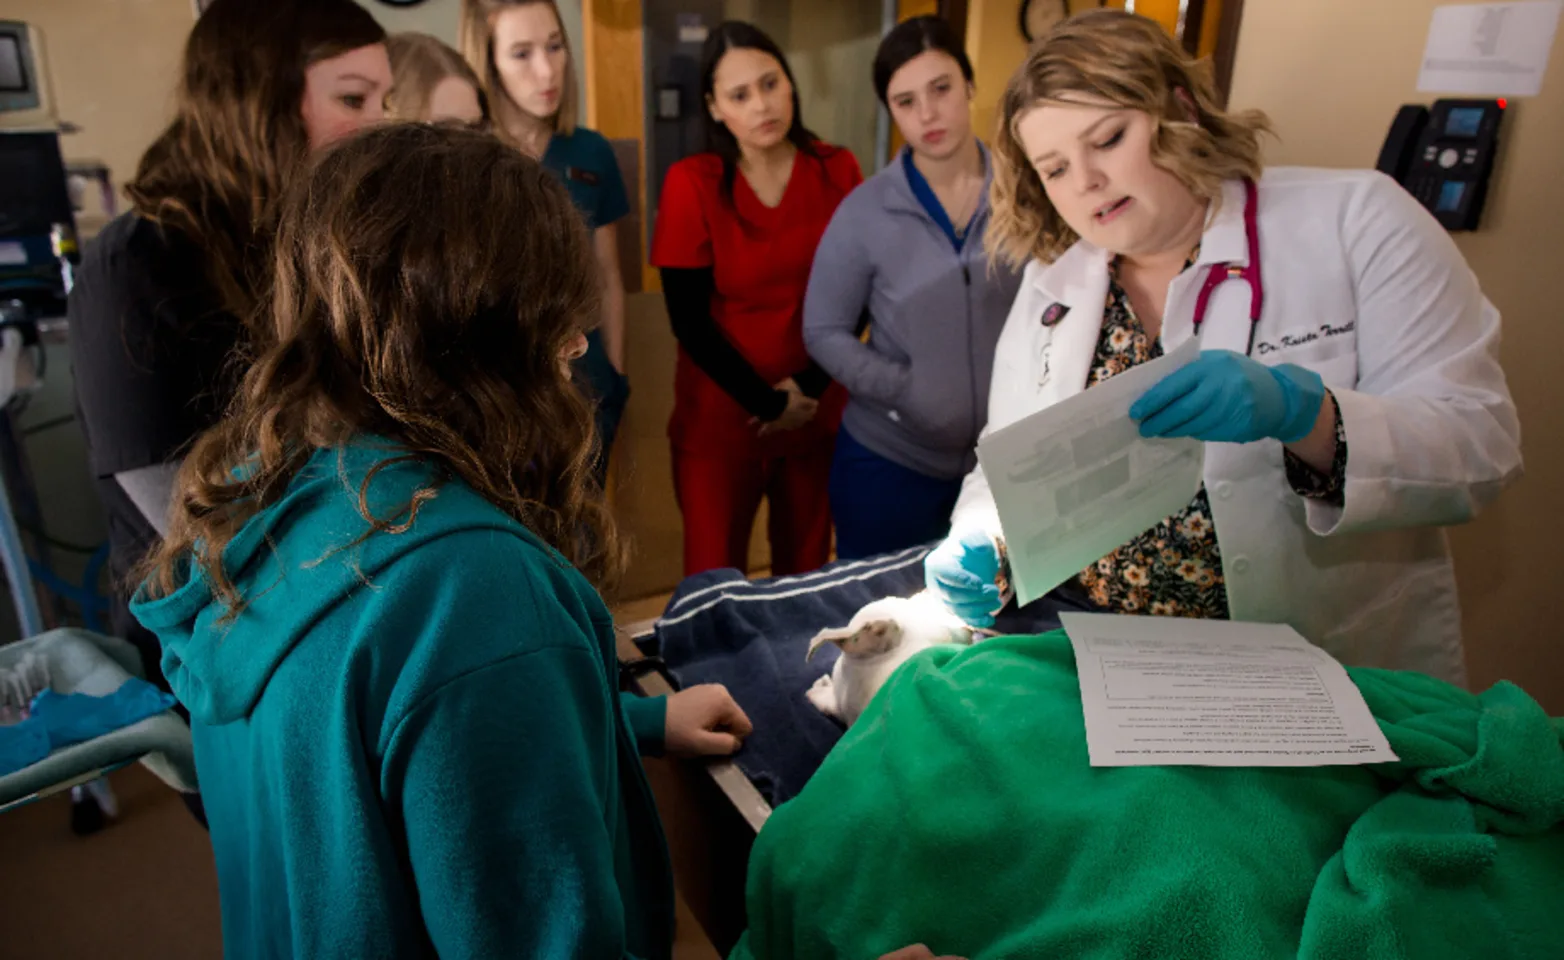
961 812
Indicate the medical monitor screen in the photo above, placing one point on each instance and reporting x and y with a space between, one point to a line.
13 79
1464 122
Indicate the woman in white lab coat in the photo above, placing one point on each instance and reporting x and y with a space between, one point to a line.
1362 411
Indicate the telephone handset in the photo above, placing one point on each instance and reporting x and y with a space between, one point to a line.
1444 156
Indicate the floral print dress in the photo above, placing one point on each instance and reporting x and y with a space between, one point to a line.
1175 568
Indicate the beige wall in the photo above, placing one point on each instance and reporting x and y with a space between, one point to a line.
1337 115
434 17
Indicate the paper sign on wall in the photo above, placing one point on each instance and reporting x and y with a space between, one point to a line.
1489 49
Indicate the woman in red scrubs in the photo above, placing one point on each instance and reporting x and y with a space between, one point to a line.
737 228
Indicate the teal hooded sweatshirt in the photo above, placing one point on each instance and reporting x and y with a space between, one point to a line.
415 746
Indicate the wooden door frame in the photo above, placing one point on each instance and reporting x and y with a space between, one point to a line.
613 48
1194 18
1226 46
954 12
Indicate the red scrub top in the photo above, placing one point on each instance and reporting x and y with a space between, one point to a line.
760 258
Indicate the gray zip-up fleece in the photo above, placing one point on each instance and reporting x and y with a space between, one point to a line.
919 387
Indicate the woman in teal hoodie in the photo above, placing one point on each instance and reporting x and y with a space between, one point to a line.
375 595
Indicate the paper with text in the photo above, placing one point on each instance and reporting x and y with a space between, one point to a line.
1076 481
1489 49
1160 691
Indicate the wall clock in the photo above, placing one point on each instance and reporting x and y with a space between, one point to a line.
1039 16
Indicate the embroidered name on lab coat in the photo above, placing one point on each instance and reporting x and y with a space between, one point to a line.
1325 332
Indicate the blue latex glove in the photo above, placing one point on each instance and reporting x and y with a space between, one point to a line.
961 572
1226 397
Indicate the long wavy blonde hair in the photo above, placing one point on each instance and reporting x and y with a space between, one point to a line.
1132 63
407 305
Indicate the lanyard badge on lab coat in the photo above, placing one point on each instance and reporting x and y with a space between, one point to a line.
1051 317
1249 272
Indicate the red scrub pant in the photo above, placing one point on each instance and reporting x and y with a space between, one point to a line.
719 497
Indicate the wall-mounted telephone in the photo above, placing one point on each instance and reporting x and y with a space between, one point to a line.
1444 155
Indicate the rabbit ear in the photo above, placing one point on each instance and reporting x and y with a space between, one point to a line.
837 637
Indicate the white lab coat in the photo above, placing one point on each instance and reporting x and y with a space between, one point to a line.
1364 287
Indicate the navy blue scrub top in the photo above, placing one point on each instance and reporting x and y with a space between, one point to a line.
925 194
585 163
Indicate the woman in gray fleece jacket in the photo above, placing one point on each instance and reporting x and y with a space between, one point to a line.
904 256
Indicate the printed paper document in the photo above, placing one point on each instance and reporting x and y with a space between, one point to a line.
1161 691
1489 49
1076 481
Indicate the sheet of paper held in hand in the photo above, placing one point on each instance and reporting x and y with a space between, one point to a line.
1076 481
1161 691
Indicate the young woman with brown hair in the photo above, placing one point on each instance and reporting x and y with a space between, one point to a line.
522 56
164 292
376 597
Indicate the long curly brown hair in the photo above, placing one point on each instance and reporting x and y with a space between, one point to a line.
1128 61
427 282
216 173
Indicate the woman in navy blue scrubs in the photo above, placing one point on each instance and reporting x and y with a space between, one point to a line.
519 50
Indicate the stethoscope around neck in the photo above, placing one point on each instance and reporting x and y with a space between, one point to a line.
1220 273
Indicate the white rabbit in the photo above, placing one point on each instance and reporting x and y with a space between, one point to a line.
880 638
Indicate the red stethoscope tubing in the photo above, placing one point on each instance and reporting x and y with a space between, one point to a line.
1249 272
